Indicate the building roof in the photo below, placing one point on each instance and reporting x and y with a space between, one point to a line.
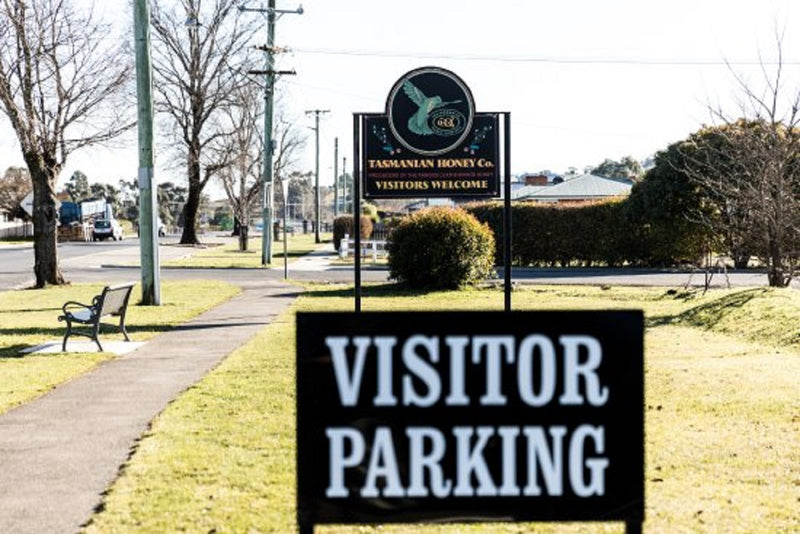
583 187
525 191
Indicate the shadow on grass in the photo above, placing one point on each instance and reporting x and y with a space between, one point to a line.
56 309
57 333
13 352
390 289
33 331
708 314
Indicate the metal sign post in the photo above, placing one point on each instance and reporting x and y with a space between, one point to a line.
507 219
357 120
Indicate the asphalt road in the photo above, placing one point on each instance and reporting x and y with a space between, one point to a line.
115 261
112 261
16 261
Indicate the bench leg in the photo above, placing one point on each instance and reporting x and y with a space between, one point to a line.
122 328
66 336
96 335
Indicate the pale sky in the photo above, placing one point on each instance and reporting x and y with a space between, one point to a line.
584 80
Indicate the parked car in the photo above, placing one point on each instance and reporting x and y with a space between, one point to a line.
105 228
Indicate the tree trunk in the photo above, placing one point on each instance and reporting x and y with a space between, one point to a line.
776 275
243 237
741 258
189 235
45 226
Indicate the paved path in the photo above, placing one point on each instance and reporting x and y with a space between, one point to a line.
59 453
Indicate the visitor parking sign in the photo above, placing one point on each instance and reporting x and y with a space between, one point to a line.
465 416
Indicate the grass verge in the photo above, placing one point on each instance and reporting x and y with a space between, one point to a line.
723 453
30 317
228 256
9 241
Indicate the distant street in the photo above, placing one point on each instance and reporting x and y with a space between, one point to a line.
16 262
116 261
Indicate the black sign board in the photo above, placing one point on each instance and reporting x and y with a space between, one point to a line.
430 142
465 416
471 169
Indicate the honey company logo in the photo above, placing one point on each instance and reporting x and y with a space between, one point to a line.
430 111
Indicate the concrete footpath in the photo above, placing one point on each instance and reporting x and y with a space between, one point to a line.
59 453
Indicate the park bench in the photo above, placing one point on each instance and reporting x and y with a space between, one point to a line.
113 301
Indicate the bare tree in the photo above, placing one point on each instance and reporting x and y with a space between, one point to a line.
15 184
196 70
749 169
289 143
241 180
59 78
301 195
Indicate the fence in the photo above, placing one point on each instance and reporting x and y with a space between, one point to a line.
12 230
375 247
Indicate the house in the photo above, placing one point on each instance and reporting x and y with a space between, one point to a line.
582 188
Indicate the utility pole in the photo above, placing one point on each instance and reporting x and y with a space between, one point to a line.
269 95
335 177
151 285
344 184
266 181
317 113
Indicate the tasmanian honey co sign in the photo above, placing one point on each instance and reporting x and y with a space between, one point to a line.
463 416
430 142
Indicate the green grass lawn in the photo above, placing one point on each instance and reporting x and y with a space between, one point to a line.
30 317
228 256
9 241
722 403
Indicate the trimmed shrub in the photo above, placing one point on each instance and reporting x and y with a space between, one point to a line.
603 233
343 224
441 248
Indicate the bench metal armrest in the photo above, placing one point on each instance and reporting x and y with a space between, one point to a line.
68 307
112 301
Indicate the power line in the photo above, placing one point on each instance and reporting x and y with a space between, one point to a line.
542 59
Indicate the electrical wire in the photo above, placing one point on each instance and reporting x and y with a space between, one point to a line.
541 59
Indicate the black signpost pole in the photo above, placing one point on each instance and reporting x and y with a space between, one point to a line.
633 527
507 209
357 119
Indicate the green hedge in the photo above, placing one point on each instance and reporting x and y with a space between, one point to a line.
603 233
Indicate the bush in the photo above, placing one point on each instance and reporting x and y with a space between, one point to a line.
608 233
441 248
343 224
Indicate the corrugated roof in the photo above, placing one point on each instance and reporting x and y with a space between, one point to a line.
586 186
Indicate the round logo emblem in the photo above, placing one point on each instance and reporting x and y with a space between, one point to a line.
430 111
